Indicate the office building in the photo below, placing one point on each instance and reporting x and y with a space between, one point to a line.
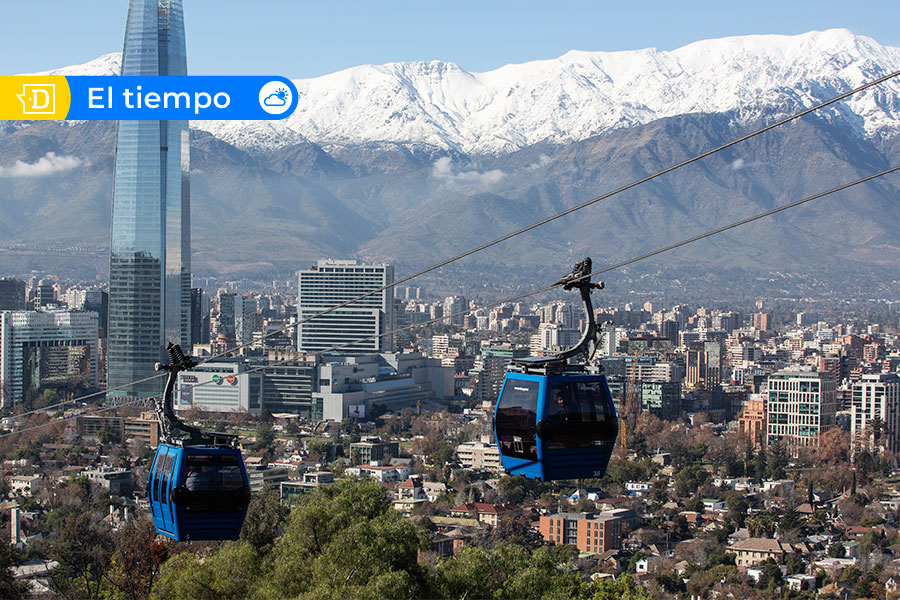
761 321
246 319
144 428
364 453
333 282
453 305
875 412
45 294
801 406
661 398
704 367
40 349
491 365
646 368
150 264
288 388
92 425
117 482
372 384
481 456
199 317
220 386
12 294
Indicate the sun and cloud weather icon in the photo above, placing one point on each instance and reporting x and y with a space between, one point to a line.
279 98
275 98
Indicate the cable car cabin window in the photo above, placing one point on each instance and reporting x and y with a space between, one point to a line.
151 483
516 417
162 469
578 415
213 473
213 484
166 476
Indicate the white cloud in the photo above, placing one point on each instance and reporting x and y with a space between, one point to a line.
48 164
443 169
737 164
542 161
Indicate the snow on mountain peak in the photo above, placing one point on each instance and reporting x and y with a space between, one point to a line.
574 96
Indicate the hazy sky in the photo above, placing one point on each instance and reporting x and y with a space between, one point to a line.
304 39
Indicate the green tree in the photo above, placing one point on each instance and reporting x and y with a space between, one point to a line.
760 464
318 451
737 508
622 588
690 479
83 549
779 461
345 541
761 524
770 577
516 490
505 572
10 587
265 516
516 529
135 562
790 521
265 438
231 572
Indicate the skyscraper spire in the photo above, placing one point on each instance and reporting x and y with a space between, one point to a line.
149 267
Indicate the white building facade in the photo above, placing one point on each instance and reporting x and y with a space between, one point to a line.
333 282
46 348
801 405
875 412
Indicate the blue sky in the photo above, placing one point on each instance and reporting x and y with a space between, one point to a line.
306 39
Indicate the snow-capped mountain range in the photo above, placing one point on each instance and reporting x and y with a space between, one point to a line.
575 96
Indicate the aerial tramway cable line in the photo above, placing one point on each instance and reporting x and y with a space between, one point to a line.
198 487
506 300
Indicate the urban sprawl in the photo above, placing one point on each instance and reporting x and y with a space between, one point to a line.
757 449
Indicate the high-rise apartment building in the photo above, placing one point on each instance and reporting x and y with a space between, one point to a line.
12 294
199 317
225 320
660 398
752 422
452 306
45 294
761 321
149 265
246 319
704 365
801 405
333 282
875 412
38 349
595 533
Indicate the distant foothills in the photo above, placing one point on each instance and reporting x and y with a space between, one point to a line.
409 163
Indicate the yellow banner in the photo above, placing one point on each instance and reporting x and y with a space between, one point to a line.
33 98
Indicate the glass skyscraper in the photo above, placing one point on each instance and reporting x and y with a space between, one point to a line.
150 249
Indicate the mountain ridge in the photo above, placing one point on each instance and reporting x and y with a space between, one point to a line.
575 96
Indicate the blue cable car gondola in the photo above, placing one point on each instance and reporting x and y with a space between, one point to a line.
554 420
198 487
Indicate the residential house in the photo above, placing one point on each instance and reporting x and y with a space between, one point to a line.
489 514
754 551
